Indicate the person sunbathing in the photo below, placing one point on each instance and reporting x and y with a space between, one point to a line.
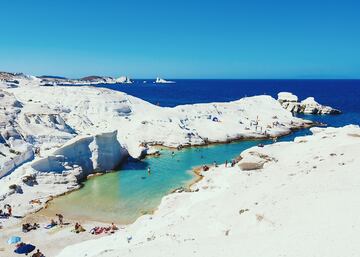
53 223
78 228
114 227
26 227
38 254
20 244
93 230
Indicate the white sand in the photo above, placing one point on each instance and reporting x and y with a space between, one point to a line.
49 241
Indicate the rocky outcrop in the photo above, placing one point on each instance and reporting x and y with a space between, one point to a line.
253 160
84 156
14 151
290 102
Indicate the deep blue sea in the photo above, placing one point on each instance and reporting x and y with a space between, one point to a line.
124 196
340 94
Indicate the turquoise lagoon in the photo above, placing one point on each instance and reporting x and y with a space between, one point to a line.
125 195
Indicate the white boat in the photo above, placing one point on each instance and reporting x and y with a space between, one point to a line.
163 81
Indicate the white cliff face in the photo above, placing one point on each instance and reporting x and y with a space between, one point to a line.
69 111
308 106
62 170
97 153
287 97
14 150
305 195
123 80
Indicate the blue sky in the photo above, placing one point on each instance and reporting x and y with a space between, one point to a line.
182 38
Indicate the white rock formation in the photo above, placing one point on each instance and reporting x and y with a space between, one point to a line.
14 150
308 106
72 130
163 81
90 153
287 97
124 80
303 202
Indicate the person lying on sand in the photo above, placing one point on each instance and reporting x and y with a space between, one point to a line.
19 244
28 227
100 230
52 224
97 230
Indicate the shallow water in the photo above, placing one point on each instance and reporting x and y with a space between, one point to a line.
126 195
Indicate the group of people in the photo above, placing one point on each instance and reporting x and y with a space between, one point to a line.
28 227
99 230
232 164
78 228
96 230
54 223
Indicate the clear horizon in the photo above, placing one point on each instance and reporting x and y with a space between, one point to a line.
182 40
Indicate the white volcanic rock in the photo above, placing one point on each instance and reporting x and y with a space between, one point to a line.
306 196
287 97
124 80
14 150
73 127
87 110
290 102
163 81
253 161
63 169
312 107
92 153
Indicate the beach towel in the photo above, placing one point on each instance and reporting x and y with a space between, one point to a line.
49 226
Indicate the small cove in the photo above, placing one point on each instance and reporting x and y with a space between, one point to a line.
125 195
